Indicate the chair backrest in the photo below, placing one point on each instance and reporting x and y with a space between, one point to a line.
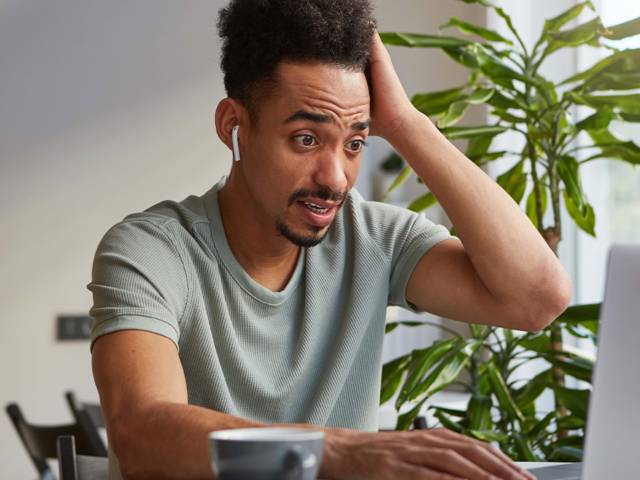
94 410
89 417
40 441
79 467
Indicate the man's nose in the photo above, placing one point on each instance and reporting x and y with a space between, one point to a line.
330 172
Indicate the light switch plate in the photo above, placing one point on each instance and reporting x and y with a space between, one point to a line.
74 327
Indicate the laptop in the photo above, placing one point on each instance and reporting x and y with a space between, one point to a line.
612 438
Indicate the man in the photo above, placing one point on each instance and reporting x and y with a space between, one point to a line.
263 301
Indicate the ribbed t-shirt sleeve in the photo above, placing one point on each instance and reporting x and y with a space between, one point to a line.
138 281
415 240
404 237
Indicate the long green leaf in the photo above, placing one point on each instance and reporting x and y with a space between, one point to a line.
421 41
579 369
495 68
570 422
628 152
486 435
422 203
514 182
447 422
586 223
454 114
576 401
561 20
540 342
531 202
436 103
621 103
480 410
498 100
450 411
612 81
542 424
532 390
501 13
400 179
523 448
502 394
462 56
576 36
507 117
568 170
421 362
481 2
624 30
392 376
455 133
478 147
579 313
599 120
481 95
447 371
404 421
471 29
626 61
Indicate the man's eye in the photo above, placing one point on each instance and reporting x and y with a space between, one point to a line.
356 145
305 140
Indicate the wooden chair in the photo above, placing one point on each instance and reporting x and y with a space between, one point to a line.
79 467
40 441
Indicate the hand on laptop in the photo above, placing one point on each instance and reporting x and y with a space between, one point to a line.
437 454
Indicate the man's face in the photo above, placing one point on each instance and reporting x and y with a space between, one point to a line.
304 155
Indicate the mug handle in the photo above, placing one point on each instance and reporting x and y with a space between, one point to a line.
296 460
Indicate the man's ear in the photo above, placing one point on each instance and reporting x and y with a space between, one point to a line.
229 114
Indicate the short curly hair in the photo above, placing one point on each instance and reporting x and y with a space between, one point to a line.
258 34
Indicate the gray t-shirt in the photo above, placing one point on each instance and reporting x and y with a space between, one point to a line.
311 353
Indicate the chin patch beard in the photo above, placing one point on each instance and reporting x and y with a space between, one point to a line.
305 241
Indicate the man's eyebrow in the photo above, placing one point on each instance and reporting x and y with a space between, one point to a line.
304 115
361 125
322 118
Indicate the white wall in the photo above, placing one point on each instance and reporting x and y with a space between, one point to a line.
105 109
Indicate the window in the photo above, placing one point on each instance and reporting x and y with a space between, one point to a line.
613 187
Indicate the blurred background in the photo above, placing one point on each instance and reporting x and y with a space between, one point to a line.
107 108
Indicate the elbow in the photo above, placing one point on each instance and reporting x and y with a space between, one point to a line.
551 299
124 443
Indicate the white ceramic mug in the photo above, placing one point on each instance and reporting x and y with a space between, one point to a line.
270 453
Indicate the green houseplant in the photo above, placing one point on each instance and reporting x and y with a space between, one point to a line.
504 75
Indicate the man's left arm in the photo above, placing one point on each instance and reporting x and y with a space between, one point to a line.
501 271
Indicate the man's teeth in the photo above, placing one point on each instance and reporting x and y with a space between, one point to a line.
316 208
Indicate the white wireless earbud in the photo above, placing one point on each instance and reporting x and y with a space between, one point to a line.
236 148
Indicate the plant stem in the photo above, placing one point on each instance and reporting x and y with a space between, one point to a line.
556 331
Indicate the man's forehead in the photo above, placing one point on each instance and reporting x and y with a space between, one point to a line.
311 91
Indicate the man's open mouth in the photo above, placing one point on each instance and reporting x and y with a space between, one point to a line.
316 208
318 214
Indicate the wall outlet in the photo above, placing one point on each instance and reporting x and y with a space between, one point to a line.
74 327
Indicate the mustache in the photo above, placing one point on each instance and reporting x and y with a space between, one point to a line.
322 194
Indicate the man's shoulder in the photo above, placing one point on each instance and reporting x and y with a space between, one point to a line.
185 213
169 223
374 216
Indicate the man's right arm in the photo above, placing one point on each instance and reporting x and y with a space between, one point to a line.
152 429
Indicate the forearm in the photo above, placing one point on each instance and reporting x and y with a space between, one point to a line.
170 441
509 255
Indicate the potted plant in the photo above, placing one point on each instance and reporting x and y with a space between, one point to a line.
504 75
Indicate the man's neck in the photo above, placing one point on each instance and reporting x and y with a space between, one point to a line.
267 257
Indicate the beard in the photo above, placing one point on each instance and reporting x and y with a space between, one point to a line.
314 237
300 240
